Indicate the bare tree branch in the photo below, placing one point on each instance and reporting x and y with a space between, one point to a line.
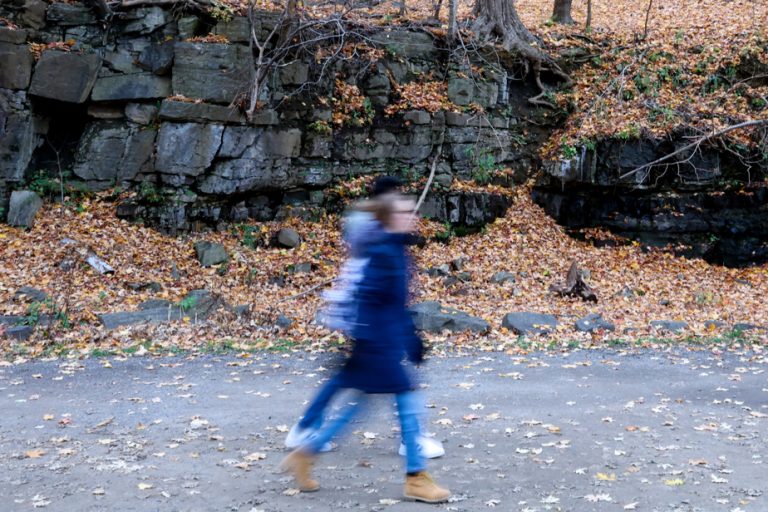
695 145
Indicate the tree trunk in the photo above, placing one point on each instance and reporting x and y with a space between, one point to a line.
498 19
437 5
562 12
589 16
452 24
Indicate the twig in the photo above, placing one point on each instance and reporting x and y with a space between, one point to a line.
306 292
647 18
429 181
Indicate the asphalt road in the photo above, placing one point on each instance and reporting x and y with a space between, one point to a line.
590 431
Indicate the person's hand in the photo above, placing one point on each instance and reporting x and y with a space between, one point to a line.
418 350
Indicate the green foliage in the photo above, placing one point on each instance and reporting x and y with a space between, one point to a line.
220 11
756 103
320 127
484 165
149 193
188 303
568 151
47 186
631 132
446 234
391 50
38 309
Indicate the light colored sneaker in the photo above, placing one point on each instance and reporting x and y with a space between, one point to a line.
428 447
297 436
421 487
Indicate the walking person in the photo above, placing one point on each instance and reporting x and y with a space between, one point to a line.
383 337
356 227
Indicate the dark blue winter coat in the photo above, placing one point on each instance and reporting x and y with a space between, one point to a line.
384 334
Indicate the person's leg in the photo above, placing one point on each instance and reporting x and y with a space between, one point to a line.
428 447
315 443
418 484
408 409
300 461
312 419
313 416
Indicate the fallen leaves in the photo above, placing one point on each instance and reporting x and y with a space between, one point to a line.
34 454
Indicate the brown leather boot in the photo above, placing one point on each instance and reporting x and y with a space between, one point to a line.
421 487
300 463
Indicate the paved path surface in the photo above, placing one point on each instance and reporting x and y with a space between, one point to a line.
590 431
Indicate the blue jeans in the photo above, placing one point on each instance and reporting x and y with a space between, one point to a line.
313 416
409 405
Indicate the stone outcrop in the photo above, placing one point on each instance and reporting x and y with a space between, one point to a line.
706 203
144 105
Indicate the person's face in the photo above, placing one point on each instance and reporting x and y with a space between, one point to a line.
403 216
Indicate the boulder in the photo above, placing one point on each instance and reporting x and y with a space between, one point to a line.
440 270
503 277
283 322
65 76
11 320
30 294
19 332
152 286
111 153
746 327
668 325
288 237
16 61
186 149
135 86
211 72
23 208
594 322
146 316
155 304
196 305
529 323
431 316
209 253
712 325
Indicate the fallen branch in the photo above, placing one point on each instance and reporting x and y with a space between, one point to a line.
698 142
429 181
90 257
575 286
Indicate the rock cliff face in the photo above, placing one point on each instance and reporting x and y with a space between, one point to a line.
144 105
707 204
